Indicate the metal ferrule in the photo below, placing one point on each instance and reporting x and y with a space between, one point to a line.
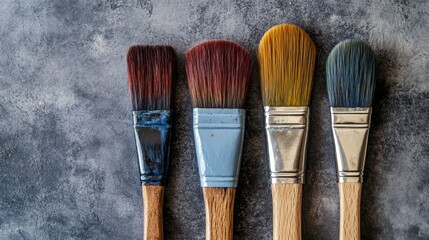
350 127
218 135
287 130
152 130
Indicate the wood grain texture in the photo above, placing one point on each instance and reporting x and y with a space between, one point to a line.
350 194
219 204
287 202
153 197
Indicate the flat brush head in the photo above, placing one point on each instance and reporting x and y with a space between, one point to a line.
350 73
218 73
150 76
287 57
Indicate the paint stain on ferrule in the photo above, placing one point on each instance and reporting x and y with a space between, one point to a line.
218 135
152 131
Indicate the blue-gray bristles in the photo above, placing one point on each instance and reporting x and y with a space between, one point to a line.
350 73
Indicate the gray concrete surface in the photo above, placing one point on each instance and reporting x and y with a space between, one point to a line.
67 156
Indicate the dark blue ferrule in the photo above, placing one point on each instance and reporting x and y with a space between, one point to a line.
152 130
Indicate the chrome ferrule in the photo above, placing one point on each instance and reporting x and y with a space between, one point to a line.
350 127
218 135
287 131
152 130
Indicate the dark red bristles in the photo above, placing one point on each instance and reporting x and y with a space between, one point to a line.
151 72
218 73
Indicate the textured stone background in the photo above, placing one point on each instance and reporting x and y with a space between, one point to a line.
67 156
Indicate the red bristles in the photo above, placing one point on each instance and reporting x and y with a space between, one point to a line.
150 76
218 73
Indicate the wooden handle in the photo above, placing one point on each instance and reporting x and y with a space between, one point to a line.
219 203
287 201
350 210
153 197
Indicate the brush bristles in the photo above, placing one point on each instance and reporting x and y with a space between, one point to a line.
350 73
287 57
218 74
150 76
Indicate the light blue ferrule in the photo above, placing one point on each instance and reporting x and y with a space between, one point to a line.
218 135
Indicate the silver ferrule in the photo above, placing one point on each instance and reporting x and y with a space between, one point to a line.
350 127
287 130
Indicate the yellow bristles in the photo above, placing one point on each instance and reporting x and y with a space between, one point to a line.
287 57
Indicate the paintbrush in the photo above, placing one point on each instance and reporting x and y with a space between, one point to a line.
218 74
287 58
151 72
350 74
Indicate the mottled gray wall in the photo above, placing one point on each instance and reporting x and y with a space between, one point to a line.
68 166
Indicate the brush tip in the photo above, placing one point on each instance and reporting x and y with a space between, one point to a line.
151 71
350 74
287 58
218 74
